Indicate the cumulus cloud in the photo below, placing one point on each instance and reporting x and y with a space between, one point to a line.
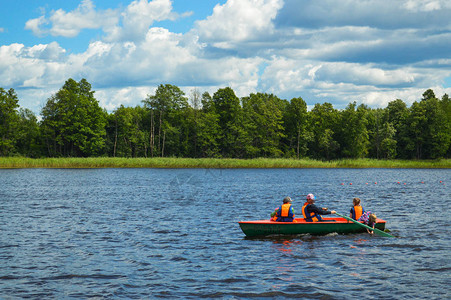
239 20
341 83
35 26
111 97
35 66
130 24
69 24
138 17
337 51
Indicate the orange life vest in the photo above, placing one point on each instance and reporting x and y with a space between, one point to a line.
285 210
285 213
357 212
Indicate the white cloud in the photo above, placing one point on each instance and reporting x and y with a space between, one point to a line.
48 52
34 67
426 5
239 20
69 24
112 98
342 83
138 17
130 24
335 51
284 76
364 74
35 26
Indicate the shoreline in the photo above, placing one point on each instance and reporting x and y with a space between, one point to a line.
215 163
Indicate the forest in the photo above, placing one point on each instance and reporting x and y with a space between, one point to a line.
199 125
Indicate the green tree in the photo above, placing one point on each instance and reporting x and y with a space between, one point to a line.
376 118
209 131
129 140
164 108
263 117
416 130
29 141
233 139
438 130
73 123
296 121
354 134
324 122
397 115
388 143
194 116
428 128
428 94
445 103
9 119
381 133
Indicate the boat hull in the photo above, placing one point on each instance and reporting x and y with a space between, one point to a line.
331 225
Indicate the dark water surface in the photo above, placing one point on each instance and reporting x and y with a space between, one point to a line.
152 233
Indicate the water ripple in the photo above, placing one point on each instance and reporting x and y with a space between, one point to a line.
146 233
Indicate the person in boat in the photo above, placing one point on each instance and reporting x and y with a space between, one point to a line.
285 213
357 210
311 212
370 219
372 223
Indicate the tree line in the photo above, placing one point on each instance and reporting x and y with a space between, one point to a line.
172 124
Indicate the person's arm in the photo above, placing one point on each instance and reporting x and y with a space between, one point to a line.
320 211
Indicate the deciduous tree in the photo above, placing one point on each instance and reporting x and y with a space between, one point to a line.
296 121
9 103
73 122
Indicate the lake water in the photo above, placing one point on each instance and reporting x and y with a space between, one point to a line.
171 233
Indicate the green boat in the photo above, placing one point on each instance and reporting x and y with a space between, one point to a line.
300 226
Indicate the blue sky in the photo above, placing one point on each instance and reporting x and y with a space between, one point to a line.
371 52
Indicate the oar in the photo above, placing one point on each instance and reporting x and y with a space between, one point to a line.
378 231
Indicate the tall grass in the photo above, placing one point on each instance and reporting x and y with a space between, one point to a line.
111 162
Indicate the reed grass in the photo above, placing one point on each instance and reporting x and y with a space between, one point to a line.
117 162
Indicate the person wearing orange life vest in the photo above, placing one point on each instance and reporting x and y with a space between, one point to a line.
311 212
285 213
357 210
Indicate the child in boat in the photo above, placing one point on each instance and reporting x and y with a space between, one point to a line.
372 223
368 218
357 210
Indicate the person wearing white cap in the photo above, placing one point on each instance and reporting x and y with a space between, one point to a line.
311 212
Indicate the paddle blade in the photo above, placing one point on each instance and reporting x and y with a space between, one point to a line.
381 233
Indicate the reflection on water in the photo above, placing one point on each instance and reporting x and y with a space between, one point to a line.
140 233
